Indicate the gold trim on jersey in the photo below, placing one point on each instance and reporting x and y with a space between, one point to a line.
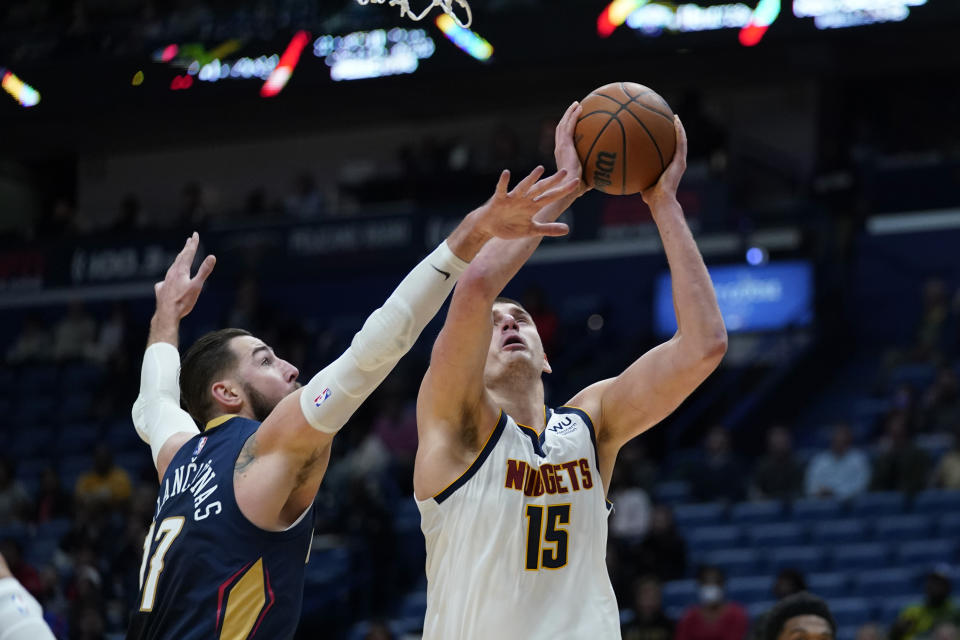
244 604
545 422
219 420
479 453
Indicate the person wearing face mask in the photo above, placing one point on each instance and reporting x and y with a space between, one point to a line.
713 618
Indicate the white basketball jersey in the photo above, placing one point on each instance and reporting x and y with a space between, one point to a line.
516 546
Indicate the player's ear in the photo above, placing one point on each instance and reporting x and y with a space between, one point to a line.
226 393
546 365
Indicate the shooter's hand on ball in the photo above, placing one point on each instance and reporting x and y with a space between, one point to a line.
565 151
666 186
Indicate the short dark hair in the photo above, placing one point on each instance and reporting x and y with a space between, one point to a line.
705 569
206 361
799 604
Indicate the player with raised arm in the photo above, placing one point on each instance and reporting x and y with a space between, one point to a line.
225 554
511 493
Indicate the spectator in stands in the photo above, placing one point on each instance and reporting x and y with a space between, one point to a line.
247 311
649 622
946 631
52 501
779 475
14 501
32 344
930 330
378 631
841 472
947 473
306 201
12 550
113 334
919 619
720 475
870 631
714 618
940 405
131 217
901 465
75 334
535 302
802 616
663 551
193 213
631 518
105 482
788 583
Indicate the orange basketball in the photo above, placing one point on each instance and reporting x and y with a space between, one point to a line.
625 138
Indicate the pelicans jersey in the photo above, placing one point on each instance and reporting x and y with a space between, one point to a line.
207 572
516 546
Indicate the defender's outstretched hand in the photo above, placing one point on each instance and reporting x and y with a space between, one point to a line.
666 186
510 214
178 292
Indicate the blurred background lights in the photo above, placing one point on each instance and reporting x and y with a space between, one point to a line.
595 322
137 79
757 256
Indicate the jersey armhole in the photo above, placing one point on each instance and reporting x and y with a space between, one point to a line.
488 446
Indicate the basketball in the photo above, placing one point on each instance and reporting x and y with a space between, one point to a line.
625 138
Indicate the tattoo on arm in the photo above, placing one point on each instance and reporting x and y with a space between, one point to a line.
247 455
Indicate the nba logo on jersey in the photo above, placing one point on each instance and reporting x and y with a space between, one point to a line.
563 427
320 399
199 448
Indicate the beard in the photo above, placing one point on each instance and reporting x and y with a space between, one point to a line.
260 405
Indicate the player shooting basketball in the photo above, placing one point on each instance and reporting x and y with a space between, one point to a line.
512 494
225 555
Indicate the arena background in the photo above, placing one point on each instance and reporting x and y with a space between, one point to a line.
822 186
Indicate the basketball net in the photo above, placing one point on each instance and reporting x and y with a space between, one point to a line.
446 5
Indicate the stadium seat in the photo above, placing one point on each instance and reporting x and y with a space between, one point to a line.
886 582
852 612
698 515
928 551
892 528
756 512
327 566
777 535
674 492
816 509
829 585
77 437
748 589
860 556
838 531
848 632
806 559
718 537
884 503
406 515
33 440
735 562
54 529
937 502
888 609
679 593
81 375
755 609
948 524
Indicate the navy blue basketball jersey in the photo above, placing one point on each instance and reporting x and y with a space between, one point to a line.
207 572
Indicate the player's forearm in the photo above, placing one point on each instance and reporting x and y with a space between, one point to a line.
699 320
164 327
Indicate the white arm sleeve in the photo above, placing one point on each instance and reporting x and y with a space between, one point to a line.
21 617
156 413
334 394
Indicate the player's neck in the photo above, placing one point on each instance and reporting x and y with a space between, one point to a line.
523 403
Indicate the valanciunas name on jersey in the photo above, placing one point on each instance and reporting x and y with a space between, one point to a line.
199 481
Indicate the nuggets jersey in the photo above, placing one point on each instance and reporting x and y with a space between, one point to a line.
207 572
516 546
